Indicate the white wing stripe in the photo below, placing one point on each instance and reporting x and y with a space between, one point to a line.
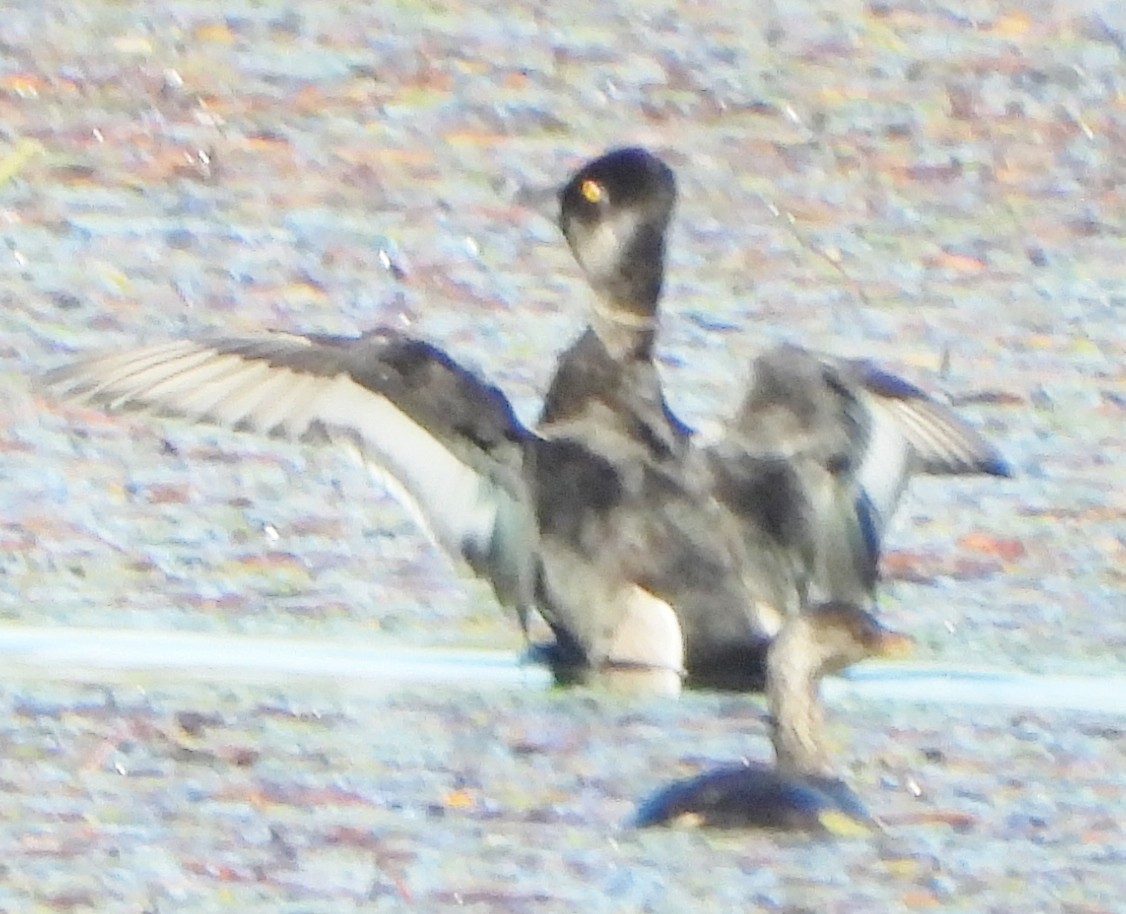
112 373
933 435
450 500
258 396
886 462
293 405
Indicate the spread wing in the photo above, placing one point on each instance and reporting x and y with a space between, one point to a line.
444 442
910 432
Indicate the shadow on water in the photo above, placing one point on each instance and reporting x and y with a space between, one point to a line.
78 654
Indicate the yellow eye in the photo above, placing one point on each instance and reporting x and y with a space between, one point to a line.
592 190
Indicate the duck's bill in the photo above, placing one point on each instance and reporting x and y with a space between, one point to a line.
895 645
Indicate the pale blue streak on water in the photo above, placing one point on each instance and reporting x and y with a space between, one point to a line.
75 653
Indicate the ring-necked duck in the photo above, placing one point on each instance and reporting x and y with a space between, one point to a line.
642 551
730 581
801 791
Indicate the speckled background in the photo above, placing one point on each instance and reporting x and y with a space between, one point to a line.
937 185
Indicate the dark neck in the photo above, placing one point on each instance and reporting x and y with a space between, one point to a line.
625 313
792 695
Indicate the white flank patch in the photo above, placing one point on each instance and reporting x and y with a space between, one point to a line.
648 633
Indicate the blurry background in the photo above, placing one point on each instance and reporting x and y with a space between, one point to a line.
936 185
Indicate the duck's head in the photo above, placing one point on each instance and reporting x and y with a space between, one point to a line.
838 635
614 212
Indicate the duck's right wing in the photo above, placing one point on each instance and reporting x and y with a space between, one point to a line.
909 432
447 444
942 442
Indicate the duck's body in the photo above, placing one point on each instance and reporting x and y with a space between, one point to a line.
729 586
800 791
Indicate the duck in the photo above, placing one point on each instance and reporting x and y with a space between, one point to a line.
650 555
801 791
